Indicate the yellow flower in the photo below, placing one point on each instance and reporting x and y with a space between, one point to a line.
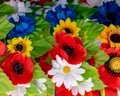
20 45
111 36
68 27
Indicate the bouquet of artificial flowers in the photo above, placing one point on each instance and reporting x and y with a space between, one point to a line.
59 48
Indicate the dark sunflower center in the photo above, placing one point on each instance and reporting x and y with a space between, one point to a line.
67 30
68 50
19 47
18 68
115 38
113 65
110 16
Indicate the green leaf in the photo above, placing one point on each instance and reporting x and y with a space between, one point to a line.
34 90
91 48
90 71
90 30
100 58
6 9
5 27
98 84
40 47
83 11
5 84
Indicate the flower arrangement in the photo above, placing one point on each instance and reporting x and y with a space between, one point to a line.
59 47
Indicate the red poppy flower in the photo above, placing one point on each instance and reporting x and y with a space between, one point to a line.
68 48
110 71
3 48
18 68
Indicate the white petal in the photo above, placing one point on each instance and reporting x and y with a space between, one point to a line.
56 78
77 76
75 91
55 64
53 71
79 70
59 60
81 90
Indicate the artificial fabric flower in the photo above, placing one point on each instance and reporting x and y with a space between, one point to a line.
23 27
68 27
65 73
92 3
59 14
20 8
107 14
71 49
110 71
18 68
3 48
111 36
20 90
22 45
40 83
82 87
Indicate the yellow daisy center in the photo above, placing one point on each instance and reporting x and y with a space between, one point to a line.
20 47
115 64
66 69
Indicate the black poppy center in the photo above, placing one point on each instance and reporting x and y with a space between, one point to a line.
19 47
18 68
113 65
67 30
68 50
115 38
111 16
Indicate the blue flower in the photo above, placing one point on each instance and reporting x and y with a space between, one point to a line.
59 14
24 26
108 13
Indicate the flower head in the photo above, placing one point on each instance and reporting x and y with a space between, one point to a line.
108 14
68 27
82 87
65 73
71 49
3 48
24 26
110 71
20 45
111 36
18 68
59 14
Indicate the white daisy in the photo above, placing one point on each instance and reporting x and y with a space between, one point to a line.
65 73
84 86
40 83
20 8
20 90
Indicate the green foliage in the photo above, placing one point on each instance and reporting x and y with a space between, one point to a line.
5 27
90 30
41 39
83 11
6 9
5 84
100 58
91 48
91 72
34 90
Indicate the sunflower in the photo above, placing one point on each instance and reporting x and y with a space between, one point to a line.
111 36
67 27
20 45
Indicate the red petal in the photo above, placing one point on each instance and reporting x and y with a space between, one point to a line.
3 48
111 92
